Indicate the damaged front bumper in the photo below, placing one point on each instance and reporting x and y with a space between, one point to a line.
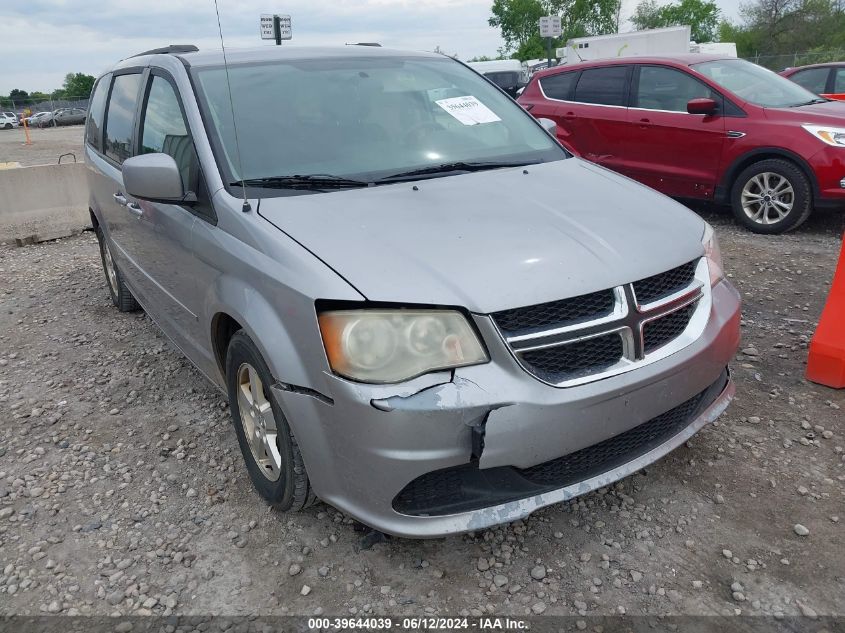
494 425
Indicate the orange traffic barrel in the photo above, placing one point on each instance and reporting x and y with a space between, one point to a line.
826 362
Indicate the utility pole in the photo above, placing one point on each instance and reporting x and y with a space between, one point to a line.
277 30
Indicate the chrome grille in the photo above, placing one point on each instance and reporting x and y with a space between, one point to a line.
554 364
662 331
581 339
557 313
659 286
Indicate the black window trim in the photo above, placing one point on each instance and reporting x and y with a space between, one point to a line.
727 108
209 214
830 86
143 71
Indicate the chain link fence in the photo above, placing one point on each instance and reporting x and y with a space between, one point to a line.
790 60
18 105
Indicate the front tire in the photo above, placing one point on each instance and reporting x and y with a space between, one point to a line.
121 297
772 196
269 448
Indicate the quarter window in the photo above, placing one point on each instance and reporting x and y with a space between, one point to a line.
120 116
813 79
559 86
164 130
662 88
94 129
605 86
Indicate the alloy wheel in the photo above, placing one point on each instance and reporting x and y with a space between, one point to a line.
767 198
259 423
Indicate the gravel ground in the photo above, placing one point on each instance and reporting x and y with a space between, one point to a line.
47 145
122 489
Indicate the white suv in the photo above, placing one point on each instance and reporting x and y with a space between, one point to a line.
8 120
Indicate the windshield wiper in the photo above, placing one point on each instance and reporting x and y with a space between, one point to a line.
445 168
810 102
297 181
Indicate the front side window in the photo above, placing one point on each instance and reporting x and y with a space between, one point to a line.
120 116
559 86
364 118
603 86
664 88
164 130
813 79
96 110
755 84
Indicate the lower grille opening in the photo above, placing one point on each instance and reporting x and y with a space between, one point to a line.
466 487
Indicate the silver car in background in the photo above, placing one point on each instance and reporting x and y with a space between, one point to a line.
423 310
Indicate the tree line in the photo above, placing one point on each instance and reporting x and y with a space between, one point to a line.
765 27
75 86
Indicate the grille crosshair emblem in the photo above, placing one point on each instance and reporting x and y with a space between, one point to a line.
627 319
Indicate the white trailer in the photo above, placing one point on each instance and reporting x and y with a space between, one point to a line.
714 48
673 40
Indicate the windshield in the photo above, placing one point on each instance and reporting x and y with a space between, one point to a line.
363 118
756 84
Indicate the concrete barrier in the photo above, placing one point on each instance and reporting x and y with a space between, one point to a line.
43 202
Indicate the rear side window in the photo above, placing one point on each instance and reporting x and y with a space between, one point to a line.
663 88
120 116
94 129
605 86
559 86
813 79
164 130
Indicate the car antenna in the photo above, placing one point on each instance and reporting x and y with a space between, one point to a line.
245 208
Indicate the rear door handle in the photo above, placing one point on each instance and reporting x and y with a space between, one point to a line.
645 123
134 208
569 116
120 199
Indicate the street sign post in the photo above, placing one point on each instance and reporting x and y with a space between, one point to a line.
275 27
550 28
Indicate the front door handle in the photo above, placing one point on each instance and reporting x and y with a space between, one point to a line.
120 199
645 123
134 208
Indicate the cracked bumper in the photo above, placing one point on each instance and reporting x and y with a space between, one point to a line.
366 446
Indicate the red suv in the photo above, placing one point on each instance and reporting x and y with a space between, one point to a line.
827 80
705 127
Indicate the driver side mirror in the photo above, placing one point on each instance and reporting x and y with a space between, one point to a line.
702 106
156 178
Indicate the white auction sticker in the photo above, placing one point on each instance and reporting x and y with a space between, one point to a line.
468 110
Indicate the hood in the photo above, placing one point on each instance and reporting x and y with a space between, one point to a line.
493 240
829 112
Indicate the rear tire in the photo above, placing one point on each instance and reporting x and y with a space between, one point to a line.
269 448
121 297
772 196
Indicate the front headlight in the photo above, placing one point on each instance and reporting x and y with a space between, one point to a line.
385 346
713 254
831 135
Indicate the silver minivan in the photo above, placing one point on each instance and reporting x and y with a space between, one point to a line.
423 310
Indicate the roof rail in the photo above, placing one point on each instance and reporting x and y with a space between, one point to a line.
365 44
173 49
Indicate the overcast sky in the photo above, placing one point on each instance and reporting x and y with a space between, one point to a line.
42 40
